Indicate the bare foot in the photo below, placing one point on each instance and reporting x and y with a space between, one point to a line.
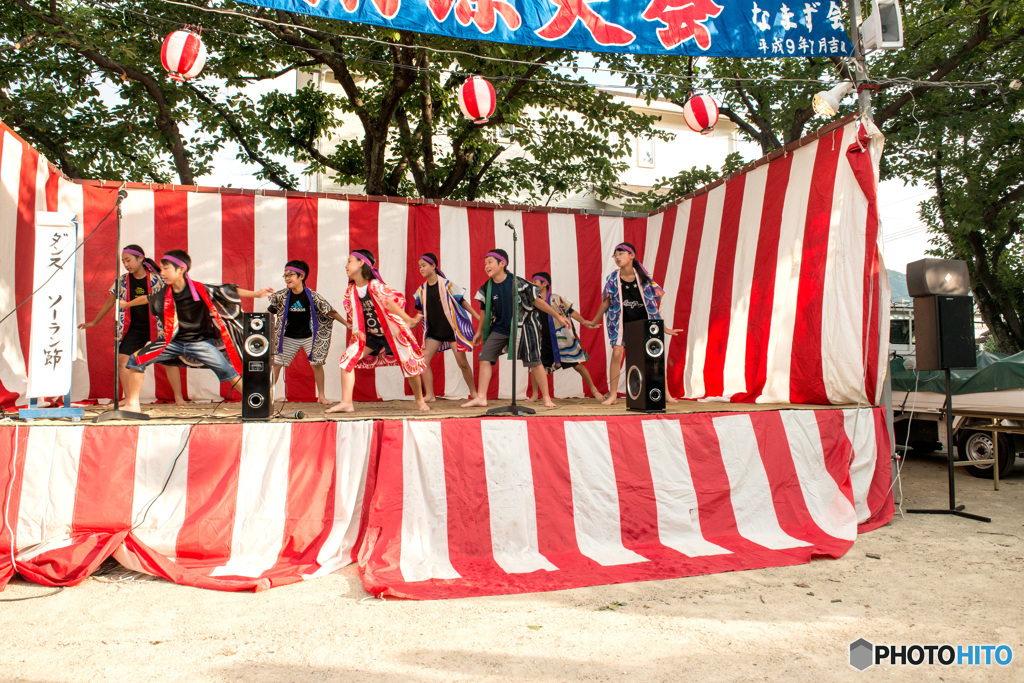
610 401
598 395
341 408
548 403
475 403
131 407
180 402
430 398
529 399
422 406
670 399
324 401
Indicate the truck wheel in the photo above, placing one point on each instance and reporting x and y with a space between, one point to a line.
979 446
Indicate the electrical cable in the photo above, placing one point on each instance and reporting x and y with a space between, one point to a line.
901 80
56 590
61 265
142 515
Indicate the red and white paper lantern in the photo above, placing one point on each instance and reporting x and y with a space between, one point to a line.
701 113
477 99
183 54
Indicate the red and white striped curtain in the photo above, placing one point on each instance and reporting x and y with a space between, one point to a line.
775 276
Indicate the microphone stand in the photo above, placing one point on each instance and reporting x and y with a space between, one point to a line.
117 413
513 409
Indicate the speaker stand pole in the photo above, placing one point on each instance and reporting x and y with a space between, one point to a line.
514 409
953 509
117 413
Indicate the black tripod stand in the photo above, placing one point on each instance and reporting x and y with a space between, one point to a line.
953 509
117 413
514 409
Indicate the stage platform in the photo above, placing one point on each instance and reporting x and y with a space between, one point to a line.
442 409
441 504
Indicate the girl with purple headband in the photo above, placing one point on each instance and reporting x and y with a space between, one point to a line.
629 294
560 346
446 321
141 277
380 331
304 321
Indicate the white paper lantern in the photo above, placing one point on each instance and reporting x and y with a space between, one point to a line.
477 99
183 54
701 113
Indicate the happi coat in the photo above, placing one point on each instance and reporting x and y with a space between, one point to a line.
650 292
458 317
408 353
320 321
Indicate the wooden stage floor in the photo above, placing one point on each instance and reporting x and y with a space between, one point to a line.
162 413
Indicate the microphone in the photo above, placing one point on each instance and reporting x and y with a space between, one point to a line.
122 194
297 415
509 225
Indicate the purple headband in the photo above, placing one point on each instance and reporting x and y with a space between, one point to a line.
432 262
496 256
300 271
145 263
373 269
191 285
541 277
636 262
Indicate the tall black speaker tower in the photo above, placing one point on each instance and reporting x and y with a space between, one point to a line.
645 365
257 391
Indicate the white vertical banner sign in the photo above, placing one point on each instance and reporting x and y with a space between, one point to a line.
51 345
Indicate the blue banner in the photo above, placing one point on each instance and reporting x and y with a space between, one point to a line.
701 28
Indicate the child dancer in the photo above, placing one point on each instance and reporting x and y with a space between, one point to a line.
304 321
380 326
446 323
560 346
629 294
202 326
140 278
498 297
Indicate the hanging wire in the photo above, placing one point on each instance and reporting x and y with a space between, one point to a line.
757 83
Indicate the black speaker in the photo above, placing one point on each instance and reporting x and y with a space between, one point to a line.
645 365
257 362
944 332
931 276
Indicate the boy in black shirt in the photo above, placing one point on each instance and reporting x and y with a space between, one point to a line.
498 299
199 323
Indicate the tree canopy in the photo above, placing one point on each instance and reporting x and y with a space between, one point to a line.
84 83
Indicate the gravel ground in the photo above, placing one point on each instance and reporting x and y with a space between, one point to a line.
926 579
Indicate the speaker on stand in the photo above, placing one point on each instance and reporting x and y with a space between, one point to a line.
257 362
944 340
645 365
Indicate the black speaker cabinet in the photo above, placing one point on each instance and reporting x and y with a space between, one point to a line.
645 365
257 362
931 276
944 332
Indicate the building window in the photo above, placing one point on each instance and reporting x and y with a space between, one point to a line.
645 152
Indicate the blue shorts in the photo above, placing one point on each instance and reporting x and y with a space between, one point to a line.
203 352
